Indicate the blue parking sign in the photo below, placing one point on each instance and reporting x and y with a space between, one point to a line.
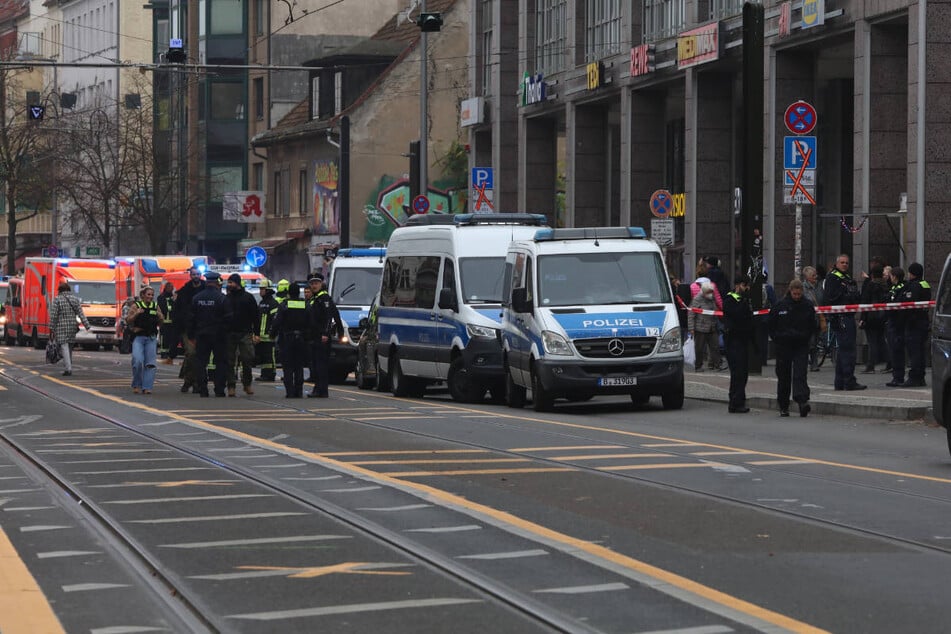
797 150
482 178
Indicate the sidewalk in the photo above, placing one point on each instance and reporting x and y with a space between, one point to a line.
878 401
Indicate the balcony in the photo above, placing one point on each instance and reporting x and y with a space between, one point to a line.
40 224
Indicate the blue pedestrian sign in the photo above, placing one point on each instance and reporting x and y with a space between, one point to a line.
256 257
798 150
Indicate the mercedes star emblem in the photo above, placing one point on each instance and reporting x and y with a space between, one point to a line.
616 347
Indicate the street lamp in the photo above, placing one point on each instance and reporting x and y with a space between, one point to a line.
428 23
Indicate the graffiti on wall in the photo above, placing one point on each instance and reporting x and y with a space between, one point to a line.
326 201
390 206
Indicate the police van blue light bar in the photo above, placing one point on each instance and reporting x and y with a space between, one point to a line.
535 220
589 233
376 252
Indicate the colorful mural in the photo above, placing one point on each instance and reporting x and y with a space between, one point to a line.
326 201
390 206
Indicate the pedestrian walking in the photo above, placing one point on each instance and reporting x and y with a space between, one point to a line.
895 327
210 318
242 334
840 289
182 320
288 328
143 321
66 308
792 323
872 322
703 328
812 292
168 333
326 326
738 332
264 348
717 276
916 324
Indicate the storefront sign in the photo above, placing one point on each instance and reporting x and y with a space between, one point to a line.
470 112
642 60
813 13
698 45
785 19
534 89
243 206
595 75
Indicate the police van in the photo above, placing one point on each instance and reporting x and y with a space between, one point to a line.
589 311
440 302
354 281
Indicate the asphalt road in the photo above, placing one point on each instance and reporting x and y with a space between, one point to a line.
363 511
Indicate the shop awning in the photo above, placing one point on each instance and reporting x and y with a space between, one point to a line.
271 244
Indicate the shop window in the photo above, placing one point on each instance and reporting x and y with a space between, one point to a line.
551 21
662 19
603 29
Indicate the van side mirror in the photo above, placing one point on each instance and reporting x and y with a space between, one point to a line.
447 300
364 322
520 301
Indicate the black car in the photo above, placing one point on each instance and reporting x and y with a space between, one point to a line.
941 352
367 371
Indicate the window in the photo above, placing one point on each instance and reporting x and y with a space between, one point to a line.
603 29
30 43
224 178
227 100
338 92
487 47
226 17
278 194
551 19
662 19
315 97
303 193
257 171
410 281
259 98
725 8
260 17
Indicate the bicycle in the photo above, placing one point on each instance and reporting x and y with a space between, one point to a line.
827 345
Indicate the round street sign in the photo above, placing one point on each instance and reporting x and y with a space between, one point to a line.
52 250
421 204
800 117
256 257
661 203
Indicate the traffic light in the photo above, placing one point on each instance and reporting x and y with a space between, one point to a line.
429 22
35 112
176 55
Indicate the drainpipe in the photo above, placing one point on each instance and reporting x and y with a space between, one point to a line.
920 124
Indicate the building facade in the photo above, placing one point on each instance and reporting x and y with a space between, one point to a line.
608 102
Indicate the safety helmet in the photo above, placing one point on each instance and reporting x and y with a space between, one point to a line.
265 283
283 285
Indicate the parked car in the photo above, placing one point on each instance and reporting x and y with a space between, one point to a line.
941 352
367 370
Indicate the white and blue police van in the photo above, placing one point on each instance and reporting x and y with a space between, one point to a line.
354 282
589 311
441 299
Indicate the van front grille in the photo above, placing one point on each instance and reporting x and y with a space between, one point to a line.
615 347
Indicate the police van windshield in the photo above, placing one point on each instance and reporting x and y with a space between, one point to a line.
95 292
602 278
355 287
482 280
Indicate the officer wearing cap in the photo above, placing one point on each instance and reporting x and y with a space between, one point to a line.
210 317
264 348
289 327
916 324
841 289
326 325
242 334
738 329
182 318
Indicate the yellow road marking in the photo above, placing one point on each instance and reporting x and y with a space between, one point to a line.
23 606
407 474
595 456
764 463
721 453
467 461
346 568
569 448
401 452
503 517
669 465
407 416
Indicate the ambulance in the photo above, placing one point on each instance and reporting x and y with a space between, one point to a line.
93 281
586 312
12 310
440 300
134 272
354 282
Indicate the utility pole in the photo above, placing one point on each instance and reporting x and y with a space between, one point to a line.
343 192
423 109
753 107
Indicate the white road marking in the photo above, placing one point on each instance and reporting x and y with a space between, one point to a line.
86 587
151 484
353 490
351 609
98 451
728 468
445 529
215 518
196 498
41 527
603 587
145 470
285 572
514 554
66 553
126 629
277 466
160 423
9 491
405 507
259 541
702 629
26 508
13 478
333 477
112 460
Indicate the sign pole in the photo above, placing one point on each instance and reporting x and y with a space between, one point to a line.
797 263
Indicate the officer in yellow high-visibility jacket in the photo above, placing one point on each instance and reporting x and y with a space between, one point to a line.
264 349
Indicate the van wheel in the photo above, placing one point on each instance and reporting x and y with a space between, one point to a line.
400 384
497 392
514 393
11 339
382 378
21 340
542 400
461 386
362 381
35 340
674 399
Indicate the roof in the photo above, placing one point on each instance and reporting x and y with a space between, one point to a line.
395 39
12 9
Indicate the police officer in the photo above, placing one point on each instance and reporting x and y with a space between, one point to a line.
738 332
841 289
211 315
182 320
168 333
326 325
289 326
916 324
242 334
792 323
264 348
895 327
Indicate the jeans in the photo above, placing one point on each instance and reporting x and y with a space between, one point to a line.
143 361
66 350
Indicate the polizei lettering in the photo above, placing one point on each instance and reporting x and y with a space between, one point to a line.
610 323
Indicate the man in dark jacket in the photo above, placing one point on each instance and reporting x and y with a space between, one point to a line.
168 335
264 348
242 334
738 332
289 328
840 289
895 327
792 323
182 319
326 326
916 324
874 291
211 316
717 276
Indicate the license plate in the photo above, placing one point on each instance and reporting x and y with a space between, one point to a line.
103 338
611 381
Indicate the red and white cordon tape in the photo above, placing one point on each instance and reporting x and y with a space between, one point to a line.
845 308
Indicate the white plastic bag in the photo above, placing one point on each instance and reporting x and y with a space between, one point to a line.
690 354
